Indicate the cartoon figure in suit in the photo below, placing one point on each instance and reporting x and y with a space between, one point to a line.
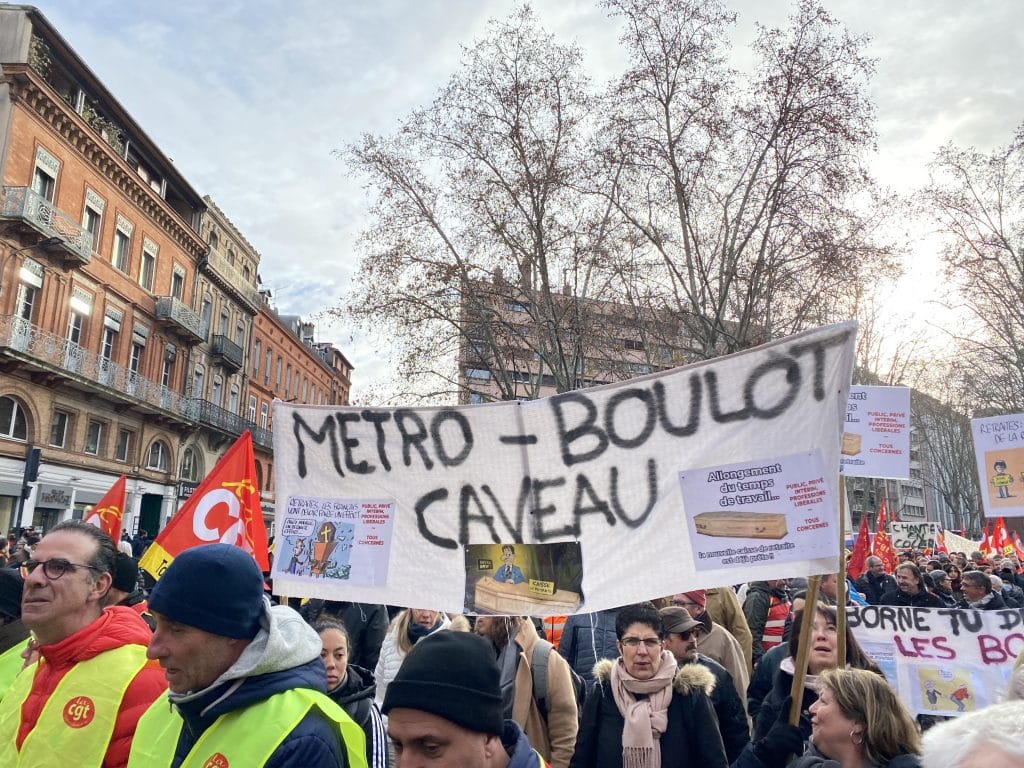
509 572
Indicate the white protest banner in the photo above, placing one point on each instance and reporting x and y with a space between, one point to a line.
876 433
941 661
572 502
999 450
955 543
917 536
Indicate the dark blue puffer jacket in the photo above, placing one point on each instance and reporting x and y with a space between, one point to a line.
586 639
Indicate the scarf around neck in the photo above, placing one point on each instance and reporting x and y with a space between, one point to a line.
646 718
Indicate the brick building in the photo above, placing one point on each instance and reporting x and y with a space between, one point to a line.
128 304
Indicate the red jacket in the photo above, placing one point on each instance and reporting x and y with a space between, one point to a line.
115 627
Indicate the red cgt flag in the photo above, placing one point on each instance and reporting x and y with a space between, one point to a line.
1018 548
940 542
1000 542
225 509
109 511
861 550
985 547
882 545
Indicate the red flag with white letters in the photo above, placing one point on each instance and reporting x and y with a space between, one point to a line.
224 509
882 545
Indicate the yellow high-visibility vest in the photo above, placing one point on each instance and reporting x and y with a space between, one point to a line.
78 719
245 738
11 664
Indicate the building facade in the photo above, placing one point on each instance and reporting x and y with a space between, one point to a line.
129 306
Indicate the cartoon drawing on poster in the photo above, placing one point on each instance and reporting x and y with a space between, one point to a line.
524 579
999 450
777 511
336 539
876 433
944 691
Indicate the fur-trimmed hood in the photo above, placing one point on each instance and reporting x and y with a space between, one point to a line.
690 678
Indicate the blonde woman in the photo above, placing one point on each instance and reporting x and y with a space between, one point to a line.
408 627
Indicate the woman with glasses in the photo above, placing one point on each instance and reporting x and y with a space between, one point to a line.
644 711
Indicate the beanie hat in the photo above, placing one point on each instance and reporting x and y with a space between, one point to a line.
453 675
699 596
11 585
216 587
126 573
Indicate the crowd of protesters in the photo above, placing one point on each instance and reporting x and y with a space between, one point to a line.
204 669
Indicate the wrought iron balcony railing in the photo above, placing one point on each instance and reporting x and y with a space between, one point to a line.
22 336
180 315
229 352
26 205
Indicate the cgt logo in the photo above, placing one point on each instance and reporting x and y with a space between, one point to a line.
216 760
79 712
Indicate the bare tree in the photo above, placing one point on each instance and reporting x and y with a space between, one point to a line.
977 200
750 193
485 242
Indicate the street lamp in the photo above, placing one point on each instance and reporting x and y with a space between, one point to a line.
42 245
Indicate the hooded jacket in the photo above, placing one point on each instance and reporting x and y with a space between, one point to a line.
520 753
355 696
114 628
691 738
285 654
392 656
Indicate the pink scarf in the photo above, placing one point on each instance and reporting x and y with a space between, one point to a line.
646 718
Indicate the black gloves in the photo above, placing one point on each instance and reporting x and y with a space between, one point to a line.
781 741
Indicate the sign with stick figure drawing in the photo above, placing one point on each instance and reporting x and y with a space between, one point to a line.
335 540
999 450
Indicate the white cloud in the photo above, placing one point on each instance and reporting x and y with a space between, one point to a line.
252 98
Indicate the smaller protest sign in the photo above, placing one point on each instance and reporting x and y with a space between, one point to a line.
999 451
919 536
336 540
777 511
524 579
876 433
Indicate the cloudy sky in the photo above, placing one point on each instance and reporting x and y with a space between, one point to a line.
252 98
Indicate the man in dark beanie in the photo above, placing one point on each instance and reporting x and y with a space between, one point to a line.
247 686
445 709
13 634
125 589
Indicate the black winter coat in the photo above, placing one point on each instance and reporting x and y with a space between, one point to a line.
920 599
355 696
873 588
772 706
691 738
732 716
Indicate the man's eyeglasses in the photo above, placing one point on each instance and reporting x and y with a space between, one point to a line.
53 568
634 642
688 634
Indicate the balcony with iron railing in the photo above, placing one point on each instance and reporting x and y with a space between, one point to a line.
262 436
42 218
231 279
181 317
229 353
213 415
46 349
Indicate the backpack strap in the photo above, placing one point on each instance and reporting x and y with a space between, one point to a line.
539 667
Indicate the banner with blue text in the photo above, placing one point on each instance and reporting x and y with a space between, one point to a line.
699 476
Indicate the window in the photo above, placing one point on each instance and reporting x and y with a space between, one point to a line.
59 429
197 383
266 370
206 313
177 283
223 328
231 257
12 419
246 274
233 400
312 393
74 327
287 379
191 466
166 372
218 386
277 380
43 184
305 388
91 221
264 412
93 437
122 250
252 409
240 335
478 373
25 302
148 270
124 445
136 357
633 344
108 343
157 458
256 357
213 240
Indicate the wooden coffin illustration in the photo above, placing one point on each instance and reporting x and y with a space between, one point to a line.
521 600
742 525
851 444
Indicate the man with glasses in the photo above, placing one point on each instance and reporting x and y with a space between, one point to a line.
79 703
716 642
681 633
